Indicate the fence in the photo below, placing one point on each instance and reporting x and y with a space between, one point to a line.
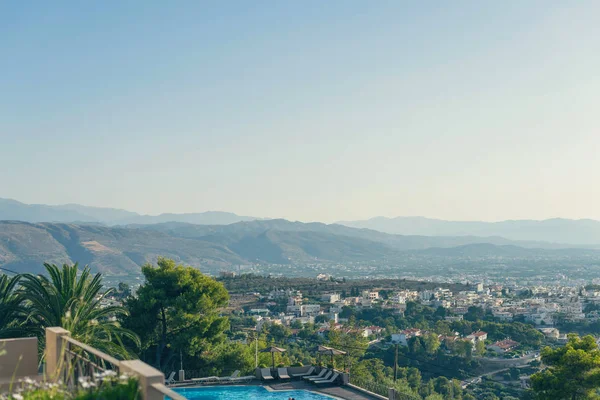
81 360
372 386
68 359
381 389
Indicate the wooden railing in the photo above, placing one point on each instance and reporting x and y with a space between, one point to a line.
68 359
81 360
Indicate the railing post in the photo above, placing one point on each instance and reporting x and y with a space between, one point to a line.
55 351
392 394
147 376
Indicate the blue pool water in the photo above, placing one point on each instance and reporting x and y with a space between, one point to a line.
246 393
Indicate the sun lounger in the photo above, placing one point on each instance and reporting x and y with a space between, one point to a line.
330 380
170 379
239 379
320 375
230 378
327 376
303 374
209 379
265 374
282 373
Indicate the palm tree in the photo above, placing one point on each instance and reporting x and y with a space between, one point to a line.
74 303
12 312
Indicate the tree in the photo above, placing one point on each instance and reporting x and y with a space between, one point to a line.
123 290
319 319
413 377
176 309
480 348
354 344
514 374
440 312
573 371
226 357
474 313
12 312
415 345
278 333
296 324
74 303
431 343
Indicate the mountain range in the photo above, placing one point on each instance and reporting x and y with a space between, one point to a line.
12 210
117 242
584 232
24 246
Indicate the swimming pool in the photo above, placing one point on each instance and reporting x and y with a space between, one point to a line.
246 393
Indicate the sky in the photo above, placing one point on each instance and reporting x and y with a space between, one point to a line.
311 110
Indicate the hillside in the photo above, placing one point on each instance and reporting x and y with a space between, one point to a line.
121 250
116 251
399 242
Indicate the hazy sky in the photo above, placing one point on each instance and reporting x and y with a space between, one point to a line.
309 110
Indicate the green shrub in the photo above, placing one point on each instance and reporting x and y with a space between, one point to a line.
107 386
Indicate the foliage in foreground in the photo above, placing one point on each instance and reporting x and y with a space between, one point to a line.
107 387
73 302
573 371
12 311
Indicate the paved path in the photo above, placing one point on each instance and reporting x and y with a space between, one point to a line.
341 392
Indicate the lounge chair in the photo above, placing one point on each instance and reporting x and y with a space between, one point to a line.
171 379
282 373
244 379
209 379
320 375
327 376
265 374
330 380
303 374
235 374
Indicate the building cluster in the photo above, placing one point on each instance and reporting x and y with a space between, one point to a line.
542 306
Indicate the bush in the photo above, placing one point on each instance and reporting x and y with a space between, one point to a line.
108 386
297 364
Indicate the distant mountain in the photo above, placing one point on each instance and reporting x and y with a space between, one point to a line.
12 210
122 250
115 251
575 232
205 218
397 242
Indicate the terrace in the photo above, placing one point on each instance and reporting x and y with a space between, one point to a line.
76 365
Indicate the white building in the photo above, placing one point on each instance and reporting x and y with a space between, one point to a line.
404 336
330 297
371 295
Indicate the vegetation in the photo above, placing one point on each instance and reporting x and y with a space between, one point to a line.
106 387
12 311
311 286
573 371
176 312
74 303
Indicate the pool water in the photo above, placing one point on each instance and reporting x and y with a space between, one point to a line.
246 393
